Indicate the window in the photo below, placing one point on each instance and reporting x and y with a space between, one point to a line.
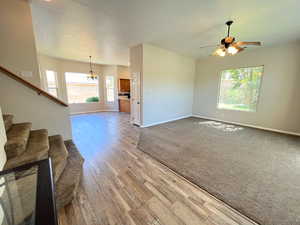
239 88
81 89
110 88
51 78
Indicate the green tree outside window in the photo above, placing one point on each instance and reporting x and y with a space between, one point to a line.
239 88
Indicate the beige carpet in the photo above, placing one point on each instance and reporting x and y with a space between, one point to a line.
256 172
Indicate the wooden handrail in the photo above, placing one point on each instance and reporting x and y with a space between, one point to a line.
31 86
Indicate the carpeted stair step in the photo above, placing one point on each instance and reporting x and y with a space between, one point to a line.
58 154
17 137
37 149
66 186
8 121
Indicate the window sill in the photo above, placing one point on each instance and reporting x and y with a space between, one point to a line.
236 110
85 103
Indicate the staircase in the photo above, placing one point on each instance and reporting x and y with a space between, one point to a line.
25 145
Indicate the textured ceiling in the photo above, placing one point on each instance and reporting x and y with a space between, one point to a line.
105 29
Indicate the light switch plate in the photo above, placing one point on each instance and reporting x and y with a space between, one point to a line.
26 73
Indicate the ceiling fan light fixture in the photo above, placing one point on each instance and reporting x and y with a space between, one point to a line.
232 50
229 46
220 52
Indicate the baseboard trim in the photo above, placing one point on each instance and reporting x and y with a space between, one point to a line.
166 121
88 112
247 125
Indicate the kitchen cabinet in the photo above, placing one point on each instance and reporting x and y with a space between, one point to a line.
124 105
124 85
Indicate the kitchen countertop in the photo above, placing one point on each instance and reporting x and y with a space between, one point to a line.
124 98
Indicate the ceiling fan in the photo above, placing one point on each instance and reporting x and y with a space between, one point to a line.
229 46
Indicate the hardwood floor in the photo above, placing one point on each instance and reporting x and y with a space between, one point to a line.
123 186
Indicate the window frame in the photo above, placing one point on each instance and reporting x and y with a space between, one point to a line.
106 89
259 91
56 82
77 103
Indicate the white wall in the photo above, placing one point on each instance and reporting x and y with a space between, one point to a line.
167 85
27 106
18 53
278 105
123 72
62 66
17 44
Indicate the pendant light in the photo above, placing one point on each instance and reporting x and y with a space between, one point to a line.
92 74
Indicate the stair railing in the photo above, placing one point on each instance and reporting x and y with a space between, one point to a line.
38 90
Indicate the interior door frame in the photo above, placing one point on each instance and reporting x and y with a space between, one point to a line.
135 100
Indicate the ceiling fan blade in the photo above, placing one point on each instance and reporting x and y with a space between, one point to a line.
240 49
242 43
208 46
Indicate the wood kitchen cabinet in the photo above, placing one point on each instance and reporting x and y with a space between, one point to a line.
124 105
124 85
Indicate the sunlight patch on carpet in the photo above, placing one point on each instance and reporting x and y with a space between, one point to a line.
221 126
